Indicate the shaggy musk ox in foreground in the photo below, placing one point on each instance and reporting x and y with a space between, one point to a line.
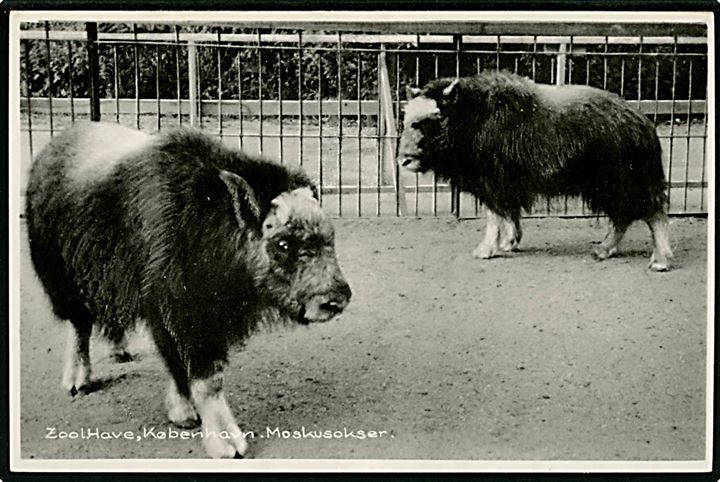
202 242
507 140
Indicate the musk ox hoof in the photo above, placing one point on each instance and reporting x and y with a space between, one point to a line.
659 266
601 253
180 410
219 448
485 252
509 245
76 379
122 357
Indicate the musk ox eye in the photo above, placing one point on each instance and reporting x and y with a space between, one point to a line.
283 245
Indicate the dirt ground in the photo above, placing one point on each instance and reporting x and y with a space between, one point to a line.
542 354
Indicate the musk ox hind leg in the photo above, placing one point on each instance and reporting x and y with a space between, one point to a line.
180 409
76 370
609 245
222 437
510 233
490 245
662 253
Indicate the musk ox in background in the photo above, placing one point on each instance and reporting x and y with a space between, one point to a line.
202 242
507 140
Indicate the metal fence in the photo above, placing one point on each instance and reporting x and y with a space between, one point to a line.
329 97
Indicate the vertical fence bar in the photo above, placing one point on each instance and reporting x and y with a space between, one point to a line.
457 45
300 96
198 82
417 83
116 84
687 135
219 85
380 130
241 118
71 84
639 71
93 70
280 108
569 60
192 82
177 74
672 121
657 81
320 128
260 90
359 133
400 206
340 121
605 64
50 77
436 68
704 147
157 87
137 76
28 94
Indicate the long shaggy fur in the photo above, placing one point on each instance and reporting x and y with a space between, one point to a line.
507 140
153 236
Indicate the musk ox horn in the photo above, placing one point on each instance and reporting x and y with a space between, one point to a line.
242 195
448 90
413 92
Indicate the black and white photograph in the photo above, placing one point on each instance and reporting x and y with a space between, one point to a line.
361 241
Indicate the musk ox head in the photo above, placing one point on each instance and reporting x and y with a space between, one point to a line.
299 270
423 122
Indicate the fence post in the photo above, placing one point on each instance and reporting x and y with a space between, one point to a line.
561 64
93 70
192 82
389 131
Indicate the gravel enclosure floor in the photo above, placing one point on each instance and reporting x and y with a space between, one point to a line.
544 354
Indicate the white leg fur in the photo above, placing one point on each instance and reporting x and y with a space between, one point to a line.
510 235
179 408
76 371
489 246
662 253
609 246
222 437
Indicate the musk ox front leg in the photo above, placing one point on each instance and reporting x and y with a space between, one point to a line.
490 245
222 437
76 371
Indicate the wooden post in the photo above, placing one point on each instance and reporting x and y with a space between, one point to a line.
93 70
561 65
390 132
192 82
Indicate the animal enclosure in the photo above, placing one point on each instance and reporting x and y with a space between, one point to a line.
329 97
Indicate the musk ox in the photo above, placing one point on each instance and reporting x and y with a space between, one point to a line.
507 140
202 242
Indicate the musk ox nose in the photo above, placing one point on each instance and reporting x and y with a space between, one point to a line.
325 306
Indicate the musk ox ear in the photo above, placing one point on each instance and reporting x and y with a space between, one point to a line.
412 92
245 204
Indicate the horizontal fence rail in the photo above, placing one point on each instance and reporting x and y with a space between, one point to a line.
328 97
